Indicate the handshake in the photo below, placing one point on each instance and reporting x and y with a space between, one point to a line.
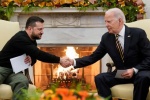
66 62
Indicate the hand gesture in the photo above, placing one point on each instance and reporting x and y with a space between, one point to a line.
66 62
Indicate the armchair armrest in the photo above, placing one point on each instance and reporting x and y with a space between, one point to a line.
110 65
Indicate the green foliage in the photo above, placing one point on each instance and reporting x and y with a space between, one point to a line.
61 93
28 95
129 7
2 14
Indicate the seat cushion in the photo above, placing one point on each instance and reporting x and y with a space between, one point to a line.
6 92
124 91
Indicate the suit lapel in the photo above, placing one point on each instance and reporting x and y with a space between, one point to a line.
127 40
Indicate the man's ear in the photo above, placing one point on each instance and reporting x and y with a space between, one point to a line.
29 28
120 20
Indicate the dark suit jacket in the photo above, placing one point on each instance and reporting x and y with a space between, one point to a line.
136 50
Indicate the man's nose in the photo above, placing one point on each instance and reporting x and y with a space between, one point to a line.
42 31
106 24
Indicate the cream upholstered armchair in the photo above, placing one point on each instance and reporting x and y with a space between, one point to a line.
125 91
8 29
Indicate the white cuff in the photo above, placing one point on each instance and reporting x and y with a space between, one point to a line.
74 62
135 70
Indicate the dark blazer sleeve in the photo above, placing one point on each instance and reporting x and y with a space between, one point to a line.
95 56
25 45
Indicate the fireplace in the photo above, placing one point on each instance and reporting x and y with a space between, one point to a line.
48 74
67 27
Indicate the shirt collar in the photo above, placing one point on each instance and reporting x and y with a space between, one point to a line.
122 32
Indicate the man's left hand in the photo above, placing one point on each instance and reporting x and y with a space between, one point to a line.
128 74
28 60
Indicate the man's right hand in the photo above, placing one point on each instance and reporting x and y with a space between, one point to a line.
66 61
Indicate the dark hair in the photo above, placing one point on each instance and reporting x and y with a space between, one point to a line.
31 21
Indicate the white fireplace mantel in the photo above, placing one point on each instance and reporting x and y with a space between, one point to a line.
68 26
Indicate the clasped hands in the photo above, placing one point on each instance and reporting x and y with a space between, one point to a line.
66 62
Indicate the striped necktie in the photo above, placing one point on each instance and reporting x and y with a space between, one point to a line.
119 47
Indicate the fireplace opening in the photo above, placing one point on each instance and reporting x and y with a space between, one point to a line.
45 74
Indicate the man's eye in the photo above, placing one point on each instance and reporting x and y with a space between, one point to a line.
39 29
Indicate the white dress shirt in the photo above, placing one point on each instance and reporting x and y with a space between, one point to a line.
121 40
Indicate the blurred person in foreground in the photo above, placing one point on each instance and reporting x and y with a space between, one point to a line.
135 59
24 42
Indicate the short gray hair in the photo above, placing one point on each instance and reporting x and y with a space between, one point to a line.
117 13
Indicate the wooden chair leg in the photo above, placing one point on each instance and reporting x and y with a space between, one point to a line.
117 99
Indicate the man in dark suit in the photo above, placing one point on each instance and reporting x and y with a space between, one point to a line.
135 59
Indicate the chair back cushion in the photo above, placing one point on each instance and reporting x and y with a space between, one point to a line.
8 29
144 24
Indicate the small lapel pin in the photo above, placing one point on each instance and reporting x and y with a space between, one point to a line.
129 36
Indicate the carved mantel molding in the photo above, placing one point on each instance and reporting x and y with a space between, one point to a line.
63 17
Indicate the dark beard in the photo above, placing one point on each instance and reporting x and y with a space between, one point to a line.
34 37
